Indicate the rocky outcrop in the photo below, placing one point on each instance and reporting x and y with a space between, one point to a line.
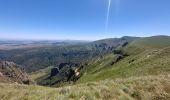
13 73
74 74
117 59
65 72
63 65
54 71
118 56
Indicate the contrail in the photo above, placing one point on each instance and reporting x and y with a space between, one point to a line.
108 14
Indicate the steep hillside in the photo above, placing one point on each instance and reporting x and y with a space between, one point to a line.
137 58
134 70
67 72
145 57
152 42
12 73
40 73
132 88
37 58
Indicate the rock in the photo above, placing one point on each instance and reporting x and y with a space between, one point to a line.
131 60
113 62
62 65
117 52
117 59
125 44
1 74
54 72
13 73
70 74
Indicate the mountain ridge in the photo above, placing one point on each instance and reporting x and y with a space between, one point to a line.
134 70
119 62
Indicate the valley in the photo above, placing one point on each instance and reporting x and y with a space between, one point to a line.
127 68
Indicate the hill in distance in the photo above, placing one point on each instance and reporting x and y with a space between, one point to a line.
126 68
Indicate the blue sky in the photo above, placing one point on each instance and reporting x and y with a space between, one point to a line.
82 19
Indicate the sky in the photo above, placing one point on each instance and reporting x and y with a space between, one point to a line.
83 19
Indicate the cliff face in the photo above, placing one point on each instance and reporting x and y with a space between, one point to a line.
13 73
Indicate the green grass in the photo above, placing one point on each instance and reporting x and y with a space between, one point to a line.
148 56
152 62
143 75
152 42
41 73
132 88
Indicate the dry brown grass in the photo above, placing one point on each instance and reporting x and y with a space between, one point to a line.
133 88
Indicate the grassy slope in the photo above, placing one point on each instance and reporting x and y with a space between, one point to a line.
151 56
41 73
146 78
35 58
145 88
153 42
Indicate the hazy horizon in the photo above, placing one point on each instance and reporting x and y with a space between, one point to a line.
82 20
65 40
